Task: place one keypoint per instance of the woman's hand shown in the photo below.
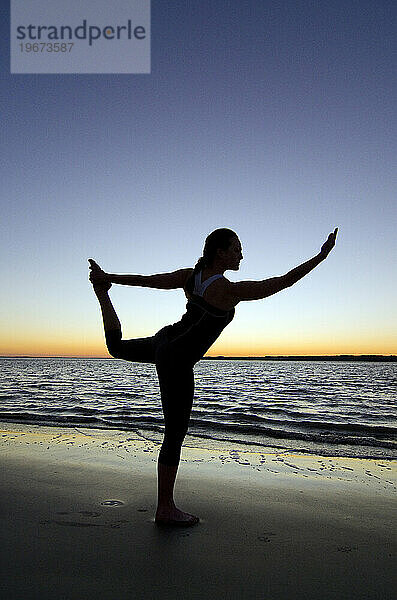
(329, 244)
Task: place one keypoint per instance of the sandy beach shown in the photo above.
(77, 521)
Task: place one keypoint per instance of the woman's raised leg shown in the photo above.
(101, 289)
(110, 319)
(135, 350)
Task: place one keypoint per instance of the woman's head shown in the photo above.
(222, 247)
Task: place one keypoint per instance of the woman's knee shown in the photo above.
(176, 428)
(170, 451)
(113, 342)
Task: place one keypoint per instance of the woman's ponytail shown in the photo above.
(200, 265)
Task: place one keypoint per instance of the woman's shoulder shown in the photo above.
(186, 274)
(219, 294)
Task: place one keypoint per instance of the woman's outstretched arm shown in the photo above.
(163, 281)
(256, 290)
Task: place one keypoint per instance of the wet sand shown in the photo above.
(77, 521)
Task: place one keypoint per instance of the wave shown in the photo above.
(323, 435)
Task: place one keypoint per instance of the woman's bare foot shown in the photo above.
(175, 517)
(98, 277)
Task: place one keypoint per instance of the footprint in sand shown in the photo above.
(85, 513)
(70, 523)
(264, 537)
(113, 525)
(346, 548)
(89, 513)
(118, 524)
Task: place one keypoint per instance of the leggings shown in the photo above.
(175, 373)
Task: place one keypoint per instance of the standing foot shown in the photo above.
(175, 517)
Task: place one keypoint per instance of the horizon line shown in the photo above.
(224, 357)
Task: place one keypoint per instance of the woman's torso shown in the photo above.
(202, 322)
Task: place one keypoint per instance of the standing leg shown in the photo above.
(165, 486)
(177, 388)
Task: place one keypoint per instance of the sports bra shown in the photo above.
(199, 288)
(200, 326)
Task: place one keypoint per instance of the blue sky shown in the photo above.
(276, 119)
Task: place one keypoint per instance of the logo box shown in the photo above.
(89, 36)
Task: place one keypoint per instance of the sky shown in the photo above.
(274, 118)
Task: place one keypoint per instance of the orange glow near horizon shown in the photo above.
(309, 347)
(85, 348)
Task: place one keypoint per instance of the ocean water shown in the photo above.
(327, 408)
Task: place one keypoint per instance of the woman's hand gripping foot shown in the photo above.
(98, 277)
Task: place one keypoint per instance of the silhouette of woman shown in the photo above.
(176, 348)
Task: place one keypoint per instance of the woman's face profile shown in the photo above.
(233, 255)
